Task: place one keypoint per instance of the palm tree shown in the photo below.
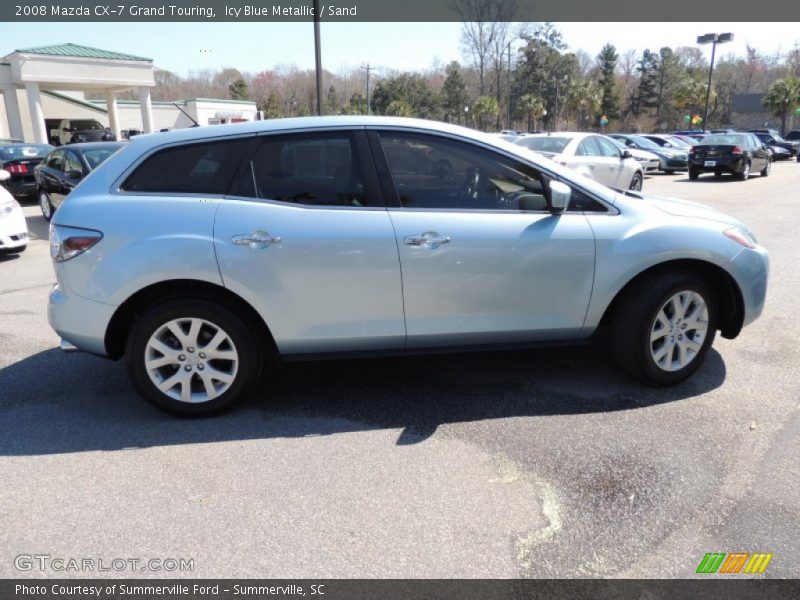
(691, 95)
(782, 98)
(534, 107)
(584, 99)
(485, 106)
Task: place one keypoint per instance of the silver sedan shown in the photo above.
(199, 254)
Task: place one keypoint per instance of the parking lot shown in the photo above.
(540, 463)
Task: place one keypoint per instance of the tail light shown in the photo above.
(738, 150)
(18, 169)
(69, 242)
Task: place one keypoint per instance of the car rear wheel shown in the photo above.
(636, 182)
(46, 205)
(744, 175)
(191, 357)
(693, 174)
(765, 171)
(663, 328)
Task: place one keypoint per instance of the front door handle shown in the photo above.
(256, 239)
(429, 239)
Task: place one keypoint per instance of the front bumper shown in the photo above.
(79, 321)
(673, 163)
(750, 270)
(13, 228)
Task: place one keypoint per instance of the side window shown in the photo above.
(587, 147)
(435, 172)
(199, 168)
(72, 163)
(606, 148)
(314, 169)
(582, 202)
(56, 160)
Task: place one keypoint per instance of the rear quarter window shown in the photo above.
(197, 168)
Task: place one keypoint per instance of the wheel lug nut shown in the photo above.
(202, 355)
(188, 367)
(182, 357)
(190, 349)
(200, 367)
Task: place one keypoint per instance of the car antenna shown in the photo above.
(196, 124)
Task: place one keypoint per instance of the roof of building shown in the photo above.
(80, 52)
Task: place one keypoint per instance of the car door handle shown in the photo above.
(256, 239)
(429, 239)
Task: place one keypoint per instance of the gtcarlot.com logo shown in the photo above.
(59, 564)
(734, 563)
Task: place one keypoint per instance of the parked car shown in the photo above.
(670, 159)
(6, 141)
(674, 142)
(75, 131)
(20, 160)
(778, 153)
(594, 156)
(198, 253)
(737, 153)
(64, 168)
(689, 141)
(648, 161)
(13, 228)
(793, 136)
(774, 139)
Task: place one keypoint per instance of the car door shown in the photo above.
(306, 239)
(614, 163)
(588, 160)
(72, 176)
(483, 260)
(51, 174)
(760, 153)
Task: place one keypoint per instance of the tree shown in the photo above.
(609, 100)
(272, 107)
(691, 95)
(399, 108)
(533, 107)
(454, 92)
(411, 88)
(583, 99)
(485, 106)
(238, 90)
(669, 75)
(332, 101)
(782, 98)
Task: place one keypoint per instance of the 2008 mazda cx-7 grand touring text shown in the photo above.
(199, 254)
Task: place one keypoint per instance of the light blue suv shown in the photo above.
(199, 254)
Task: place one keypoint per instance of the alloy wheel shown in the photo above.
(679, 330)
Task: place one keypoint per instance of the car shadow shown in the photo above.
(55, 402)
(7, 256)
(38, 227)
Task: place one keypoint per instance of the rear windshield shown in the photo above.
(548, 143)
(723, 140)
(26, 151)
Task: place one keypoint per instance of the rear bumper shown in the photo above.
(80, 322)
(21, 188)
(719, 164)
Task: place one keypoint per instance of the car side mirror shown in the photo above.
(560, 194)
(626, 154)
(4, 175)
(74, 174)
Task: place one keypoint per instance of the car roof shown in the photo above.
(93, 145)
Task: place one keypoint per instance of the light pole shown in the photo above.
(466, 116)
(713, 39)
(318, 57)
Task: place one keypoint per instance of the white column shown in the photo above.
(147, 109)
(12, 112)
(113, 115)
(37, 114)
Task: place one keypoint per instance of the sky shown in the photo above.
(253, 47)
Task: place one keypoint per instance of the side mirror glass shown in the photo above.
(4, 175)
(560, 194)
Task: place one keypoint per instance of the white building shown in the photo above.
(41, 86)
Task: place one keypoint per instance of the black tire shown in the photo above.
(245, 346)
(744, 175)
(717, 173)
(46, 205)
(636, 182)
(693, 174)
(633, 320)
(669, 171)
(765, 171)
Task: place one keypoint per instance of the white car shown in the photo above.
(594, 156)
(13, 228)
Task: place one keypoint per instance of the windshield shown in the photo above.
(723, 140)
(84, 124)
(95, 156)
(643, 142)
(545, 143)
(25, 151)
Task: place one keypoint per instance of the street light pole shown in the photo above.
(713, 39)
(318, 57)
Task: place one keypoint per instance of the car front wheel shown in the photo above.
(191, 357)
(663, 328)
(636, 182)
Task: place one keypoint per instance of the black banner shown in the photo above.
(421, 589)
(389, 10)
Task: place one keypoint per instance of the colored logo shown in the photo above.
(735, 562)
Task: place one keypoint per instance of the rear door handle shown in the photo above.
(429, 239)
(256, 239)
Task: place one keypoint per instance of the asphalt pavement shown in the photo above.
(539, 463)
